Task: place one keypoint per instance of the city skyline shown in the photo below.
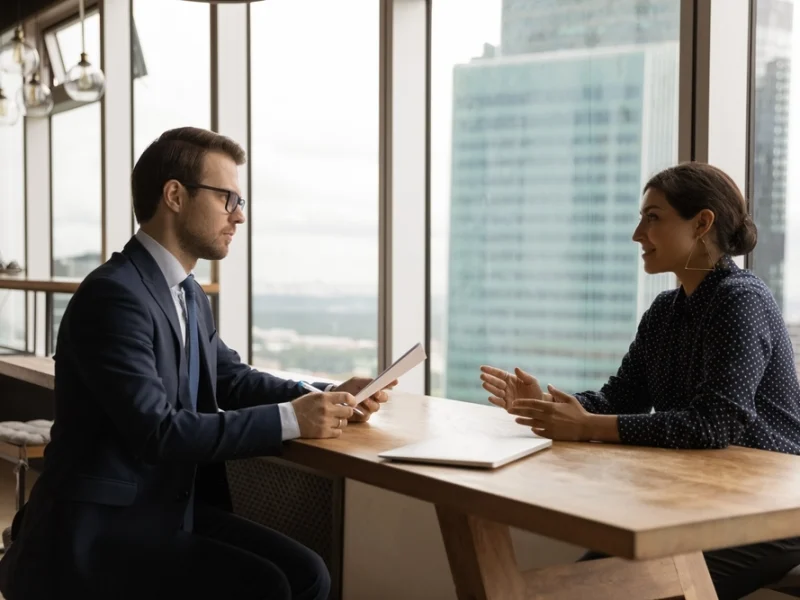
(478, 15)
(295, 134)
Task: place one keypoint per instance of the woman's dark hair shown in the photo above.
(691, 187)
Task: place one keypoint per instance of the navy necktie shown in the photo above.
(194, 373)
(191, 338)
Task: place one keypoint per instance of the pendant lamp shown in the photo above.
(85, 82)
(17, 56)
(35, 98)
(8, 110)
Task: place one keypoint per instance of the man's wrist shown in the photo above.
(290, 428)
(601, 428)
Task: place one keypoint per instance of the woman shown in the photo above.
(711, 364)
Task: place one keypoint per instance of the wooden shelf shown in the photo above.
(63, 285)
(37, 370)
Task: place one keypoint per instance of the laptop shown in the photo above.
(479, 451)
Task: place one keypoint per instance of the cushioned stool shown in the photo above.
(20, 442)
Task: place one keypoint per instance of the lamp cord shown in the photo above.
(83, 29)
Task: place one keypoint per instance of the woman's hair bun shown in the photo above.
(744, 238)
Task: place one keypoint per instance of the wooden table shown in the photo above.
(656, 509)
(660, 508)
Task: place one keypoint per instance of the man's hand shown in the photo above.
(369, 406)
(558, 416)
(506, 387)
(323, 414)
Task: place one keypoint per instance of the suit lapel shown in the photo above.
(156, 284)
(154, 280)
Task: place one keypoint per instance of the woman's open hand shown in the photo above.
(506, 387)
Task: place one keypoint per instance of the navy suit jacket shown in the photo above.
(126, 446)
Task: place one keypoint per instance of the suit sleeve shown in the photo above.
(110, 345)
(240, 386)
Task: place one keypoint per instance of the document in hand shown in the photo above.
(401, 366)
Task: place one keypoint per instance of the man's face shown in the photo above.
(205, 227)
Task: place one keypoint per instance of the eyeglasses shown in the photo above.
(232, 199)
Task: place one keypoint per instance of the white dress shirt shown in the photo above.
(174, 273)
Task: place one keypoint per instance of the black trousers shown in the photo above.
(737, 572)
(225, 556)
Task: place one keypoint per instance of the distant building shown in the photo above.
(772, 79)
(550, 152)
(554, 135)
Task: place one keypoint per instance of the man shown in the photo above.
(133, 501)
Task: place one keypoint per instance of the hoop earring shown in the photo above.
(708, 256)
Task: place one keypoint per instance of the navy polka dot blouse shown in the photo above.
(708, 370)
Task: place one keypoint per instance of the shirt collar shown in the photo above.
(170, 266)
(695, 303)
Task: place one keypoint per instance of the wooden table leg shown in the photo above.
(694, 577)
(481, 557)
(484, 567)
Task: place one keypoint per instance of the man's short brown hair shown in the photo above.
(176, 154)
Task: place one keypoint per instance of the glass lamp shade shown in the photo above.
(18, 57)
(35, 98)
(85, 82)
(8, 110)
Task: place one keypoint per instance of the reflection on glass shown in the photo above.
(777, 136)
(315, 184)
(175, 88)
(76, 185)
(12, 219)
(547, 120)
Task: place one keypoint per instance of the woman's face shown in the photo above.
(666, 238)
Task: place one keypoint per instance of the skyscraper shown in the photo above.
(772, 69)
(542, 25)
(554, 134)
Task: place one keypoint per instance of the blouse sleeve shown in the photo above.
(625, 392)
(736, 350)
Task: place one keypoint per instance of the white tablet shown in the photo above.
(486, 452)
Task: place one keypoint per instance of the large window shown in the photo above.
(547, 119)
(172, 73)
(315, 101)
(12, 220)
(76, 196)
(76, 190)
(776, 139)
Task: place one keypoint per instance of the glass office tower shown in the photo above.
(554, 134)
